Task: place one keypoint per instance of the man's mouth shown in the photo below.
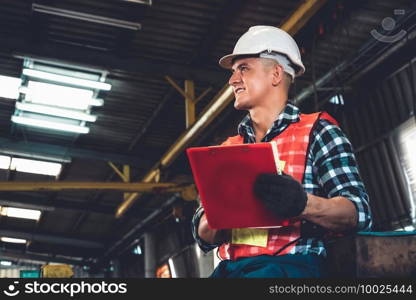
(239, 90)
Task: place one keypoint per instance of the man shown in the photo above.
(320, 190)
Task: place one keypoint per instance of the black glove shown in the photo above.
(281, 194)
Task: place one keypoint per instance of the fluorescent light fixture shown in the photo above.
(9, 87)
(6, 263)
(66, 79)
(146, 2)
(12, 240)
(54, 111)
(32, 154)
(23, 213)
(40, 207)
(50, 125)
(172, 268)
(85, 17)
(4, 162)
(58, 95)
(35, 166)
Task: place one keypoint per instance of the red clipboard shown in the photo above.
(224, 177)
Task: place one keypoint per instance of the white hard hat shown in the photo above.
(269, 39)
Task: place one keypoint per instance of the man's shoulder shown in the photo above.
(326, 132)
(317, 117)
(324, 124)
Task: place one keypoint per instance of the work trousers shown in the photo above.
(267, 266)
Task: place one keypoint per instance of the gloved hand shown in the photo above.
(281, 194)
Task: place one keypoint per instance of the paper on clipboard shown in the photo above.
(276, 157)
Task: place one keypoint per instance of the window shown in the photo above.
(338, 99)
(406, 143)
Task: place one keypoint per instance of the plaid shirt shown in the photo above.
(331, 170)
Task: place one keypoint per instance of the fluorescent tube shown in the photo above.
(9, 87)
(50, 125)
(23, 213)
(54, 111)
(4, 162)
(56, 95)
(12, 240)
(66, 79)
(35, 166)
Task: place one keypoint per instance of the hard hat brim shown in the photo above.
(227, 61)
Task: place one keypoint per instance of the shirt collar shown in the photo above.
(289, 115)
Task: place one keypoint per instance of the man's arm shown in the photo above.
(212, 236)
(335, 167)
(335, 214)
(333, 173)
(207, 238)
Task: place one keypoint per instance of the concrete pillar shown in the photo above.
(149, 255)
(205, 262)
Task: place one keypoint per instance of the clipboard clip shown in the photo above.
(276, 157)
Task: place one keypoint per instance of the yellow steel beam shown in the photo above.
(178, 88)
(119, 173)
(190, 102)
(218, 103)
(301, 15)
(62, 185)
(126, 173)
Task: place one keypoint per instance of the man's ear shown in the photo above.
(277, 74)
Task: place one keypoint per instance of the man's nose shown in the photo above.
(234, 78)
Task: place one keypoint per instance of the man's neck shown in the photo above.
(263, 117)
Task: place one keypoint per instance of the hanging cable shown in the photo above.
(285, 246)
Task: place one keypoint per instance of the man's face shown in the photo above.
(251, 81)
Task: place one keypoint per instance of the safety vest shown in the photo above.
(293, 145)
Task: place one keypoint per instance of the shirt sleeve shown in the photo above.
(206, 247)
(337, 172)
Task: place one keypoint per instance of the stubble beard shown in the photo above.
(240, 105)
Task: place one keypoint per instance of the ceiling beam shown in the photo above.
(102, 60)
(56, 152)
(81, 185)
(49, 238)
(30, 202)
(216, 106)
(301, 16)
(31, 256)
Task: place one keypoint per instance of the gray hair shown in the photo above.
(281, 60)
